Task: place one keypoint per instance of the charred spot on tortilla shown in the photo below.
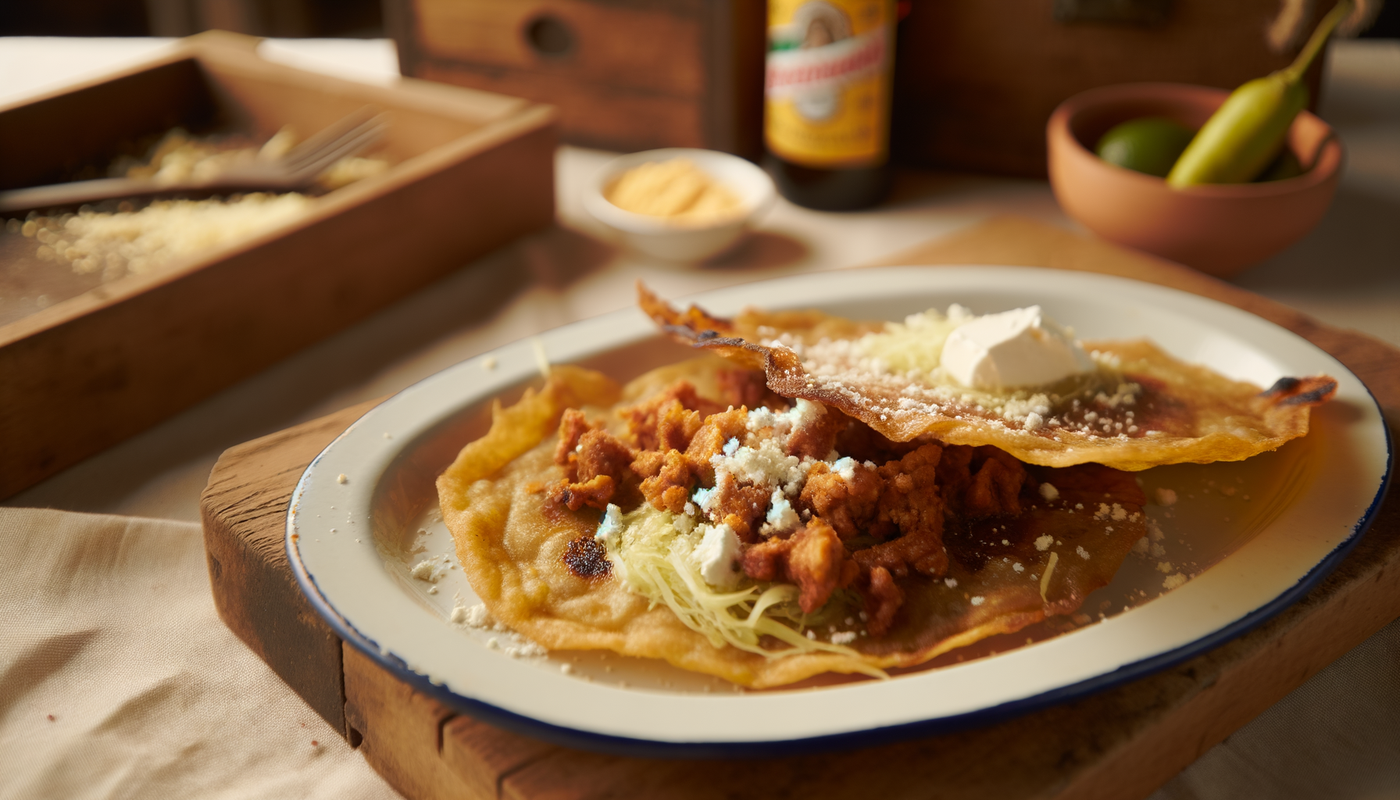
(1301, 391)
(587, 558)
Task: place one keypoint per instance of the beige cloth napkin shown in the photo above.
(118, 680)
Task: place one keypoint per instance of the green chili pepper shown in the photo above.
(1246, 134)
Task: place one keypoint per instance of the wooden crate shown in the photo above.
(471, 171)
(624, 74)
(1119, 743)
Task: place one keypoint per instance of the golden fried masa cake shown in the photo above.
(1138, 409)
(697, 517)
(823, 498)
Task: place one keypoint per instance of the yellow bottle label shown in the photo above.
(827, 93)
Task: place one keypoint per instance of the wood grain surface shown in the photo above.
(625, 76)
(1120, 743)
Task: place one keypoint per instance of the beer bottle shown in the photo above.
(826, 118)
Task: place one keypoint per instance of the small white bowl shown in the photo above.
(673, 241)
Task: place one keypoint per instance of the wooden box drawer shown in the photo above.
(623, 74)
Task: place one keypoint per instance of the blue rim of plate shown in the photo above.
(869, 737)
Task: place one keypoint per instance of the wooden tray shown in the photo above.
(471, 171)
(1123, 742)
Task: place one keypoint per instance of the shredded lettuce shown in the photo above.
(653, 558)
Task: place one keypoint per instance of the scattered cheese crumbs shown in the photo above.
(951, 583)
(843, 637)
(978, 600)
(1173, 581)
(488, 363)
(1084, 554)
(1049, 492)
(1042, 543)
(1017, 567)
(1166, 497)
(1164, 566)
(477, 616)
(1140, 547)
(341, 478)
(430, 569)
(1119, 513)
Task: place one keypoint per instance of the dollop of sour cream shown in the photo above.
(1012, 349)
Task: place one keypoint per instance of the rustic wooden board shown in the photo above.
(1120, 743)
(85, 373)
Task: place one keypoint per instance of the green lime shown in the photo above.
(1146, 144)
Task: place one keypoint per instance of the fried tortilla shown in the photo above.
(907, 573)
(1142, 408)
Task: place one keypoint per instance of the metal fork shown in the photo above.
(296, 170)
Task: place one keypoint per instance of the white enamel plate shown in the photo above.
(1239, 542)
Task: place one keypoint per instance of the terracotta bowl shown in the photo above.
(1219, 229)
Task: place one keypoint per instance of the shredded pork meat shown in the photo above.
(863, 523)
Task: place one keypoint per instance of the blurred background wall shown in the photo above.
(359, 19)
(280, 18)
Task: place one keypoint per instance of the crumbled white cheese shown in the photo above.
(1079, 549)
(1021, 347)
(1166, 497)
(977, 600)
(781, 517)
(717, 555)
(610, 528)
(843, 637)
(515, 646)
(952, 583)
(430, 569)
(1173, 581)
(1155, 531)
(1042, 543)
(763, 465)
(845, 467)
(1049, 492)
